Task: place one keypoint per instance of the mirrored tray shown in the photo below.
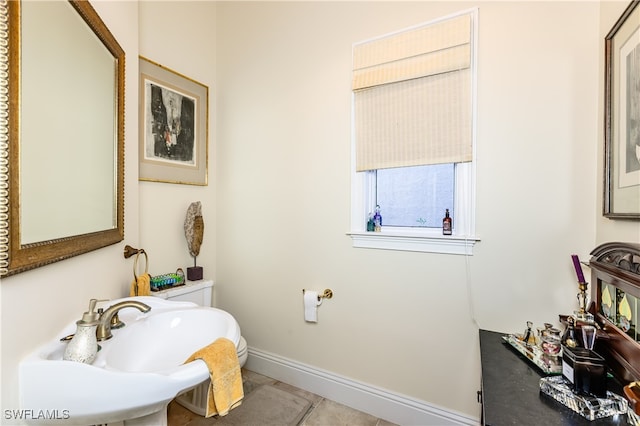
(591, 408)
(549, 364)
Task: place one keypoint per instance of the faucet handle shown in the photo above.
(116, 323)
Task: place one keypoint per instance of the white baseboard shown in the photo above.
(378, 402)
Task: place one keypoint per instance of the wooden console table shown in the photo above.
(511, 393)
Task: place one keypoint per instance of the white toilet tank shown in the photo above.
(199, 292)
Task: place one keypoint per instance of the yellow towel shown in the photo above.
(225, 391)
(141, 287)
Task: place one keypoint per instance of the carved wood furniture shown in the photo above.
(615, 295)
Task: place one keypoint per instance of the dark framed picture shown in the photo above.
(174, 131)
(622, 117)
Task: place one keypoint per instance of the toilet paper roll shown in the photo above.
(311, 304)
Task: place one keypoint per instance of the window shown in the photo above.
(413, 143)
(415, 196)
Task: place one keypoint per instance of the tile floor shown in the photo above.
(322, 412)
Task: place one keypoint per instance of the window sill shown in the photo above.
(414, 241)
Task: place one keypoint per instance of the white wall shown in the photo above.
(399, 320)
(277, 206)
(537, 140)
(182, 37)
(607, 229)
(37, 304)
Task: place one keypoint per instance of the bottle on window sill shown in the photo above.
(370, 224)
(447, 224)
(377, 220)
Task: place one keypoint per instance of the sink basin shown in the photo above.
(135, 374)
(160, 342)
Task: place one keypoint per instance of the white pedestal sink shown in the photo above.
(135, 374)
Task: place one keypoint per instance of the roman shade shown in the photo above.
(412, 96)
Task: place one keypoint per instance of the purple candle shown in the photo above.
(576, 264)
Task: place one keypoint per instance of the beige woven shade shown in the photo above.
(412, 93)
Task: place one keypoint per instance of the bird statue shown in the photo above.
(194, 232)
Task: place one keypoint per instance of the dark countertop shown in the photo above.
(511, 392)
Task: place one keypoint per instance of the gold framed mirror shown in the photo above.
(61, 133)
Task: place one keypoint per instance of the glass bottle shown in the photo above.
(569, 337)
(370, 224)
(377, 220)
(446, 224)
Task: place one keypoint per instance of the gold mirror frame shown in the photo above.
(14, 256)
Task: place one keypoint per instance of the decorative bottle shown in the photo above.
(446, 224)
(569, 337)
(377, 220)
(83, 347)
(370, 224)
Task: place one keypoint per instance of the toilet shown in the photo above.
(199, 292)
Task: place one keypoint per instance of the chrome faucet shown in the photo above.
(103, 331)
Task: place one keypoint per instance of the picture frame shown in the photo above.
(622, 117)
(174, 126)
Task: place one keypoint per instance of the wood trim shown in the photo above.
(617, 264)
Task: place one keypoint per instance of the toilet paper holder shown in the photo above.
(327, 294)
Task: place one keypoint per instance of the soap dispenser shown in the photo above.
(83, 347)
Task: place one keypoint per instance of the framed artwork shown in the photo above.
(173, 114)
(622, 117)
